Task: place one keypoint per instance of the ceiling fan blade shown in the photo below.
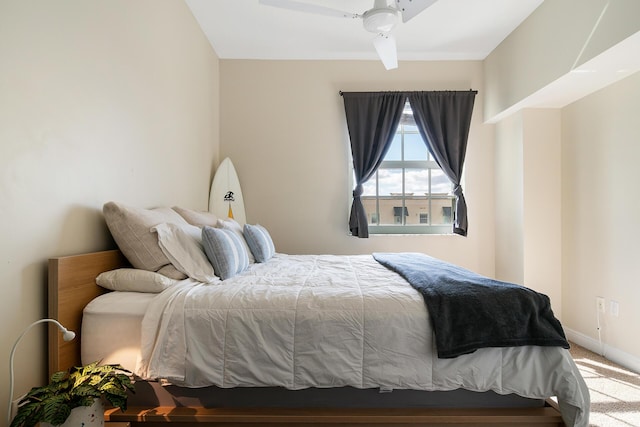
(410, 8)
(309, 8)
(385, 45)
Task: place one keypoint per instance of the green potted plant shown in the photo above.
(78, 387)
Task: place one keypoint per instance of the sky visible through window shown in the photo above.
(416, 180)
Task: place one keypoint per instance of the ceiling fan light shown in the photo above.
(380, 20)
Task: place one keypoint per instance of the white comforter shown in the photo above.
(302, 321)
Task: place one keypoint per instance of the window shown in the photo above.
(409, 194)
(446, 214)
(398, 214)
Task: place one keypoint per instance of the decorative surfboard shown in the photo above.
(225, 199)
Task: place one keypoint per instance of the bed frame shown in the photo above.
(72, 285)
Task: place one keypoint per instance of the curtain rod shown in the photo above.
(413, 91)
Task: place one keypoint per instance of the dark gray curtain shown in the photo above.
(372, 119)
(443, 119)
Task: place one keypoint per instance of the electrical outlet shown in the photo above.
(600, 305)
(614, 308)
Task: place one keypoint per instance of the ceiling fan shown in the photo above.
(381, 19)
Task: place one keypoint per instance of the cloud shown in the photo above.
(416, 182)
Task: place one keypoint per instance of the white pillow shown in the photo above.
(134, 280)
(182, 244)
(197, 218)
(231, 224)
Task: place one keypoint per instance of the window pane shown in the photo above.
(411, 128)
(390, 181)
(395, 150)
(442, 210)
(417, 190)
(418, 209)
(417, 182)
(440, 184)
(373, 218)
(414, 148)
(369, 187)
(390, 196)
(391, 210)
(446, 214)
(369, 204)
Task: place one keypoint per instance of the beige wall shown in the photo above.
(112, 100)
(282, 123)
(557, 37)
(600, 211)
(542, 204)
(509, 180)
(528, 202)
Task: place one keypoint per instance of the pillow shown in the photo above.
(259, 241)
(131, 229)
(231, 224)
(197, 218)
(182, 244)
(134, 280)
(171, 272)
(225, 251)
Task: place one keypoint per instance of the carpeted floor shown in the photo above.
(615, 391)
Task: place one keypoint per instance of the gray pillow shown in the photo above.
(131, 229)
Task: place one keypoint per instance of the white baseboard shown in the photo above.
(618, 356)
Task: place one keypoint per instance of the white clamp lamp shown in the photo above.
(67, 335)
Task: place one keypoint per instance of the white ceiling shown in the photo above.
(448, 30)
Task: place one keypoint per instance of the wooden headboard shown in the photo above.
(72, 285)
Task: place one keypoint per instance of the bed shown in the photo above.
(291, 366)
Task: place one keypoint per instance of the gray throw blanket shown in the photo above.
(469, 311)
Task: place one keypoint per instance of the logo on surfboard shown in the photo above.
(228, 197)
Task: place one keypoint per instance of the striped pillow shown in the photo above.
(231, 224)
(225, 251)
(259, 241)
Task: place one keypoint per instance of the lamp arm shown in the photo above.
(67, 335)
